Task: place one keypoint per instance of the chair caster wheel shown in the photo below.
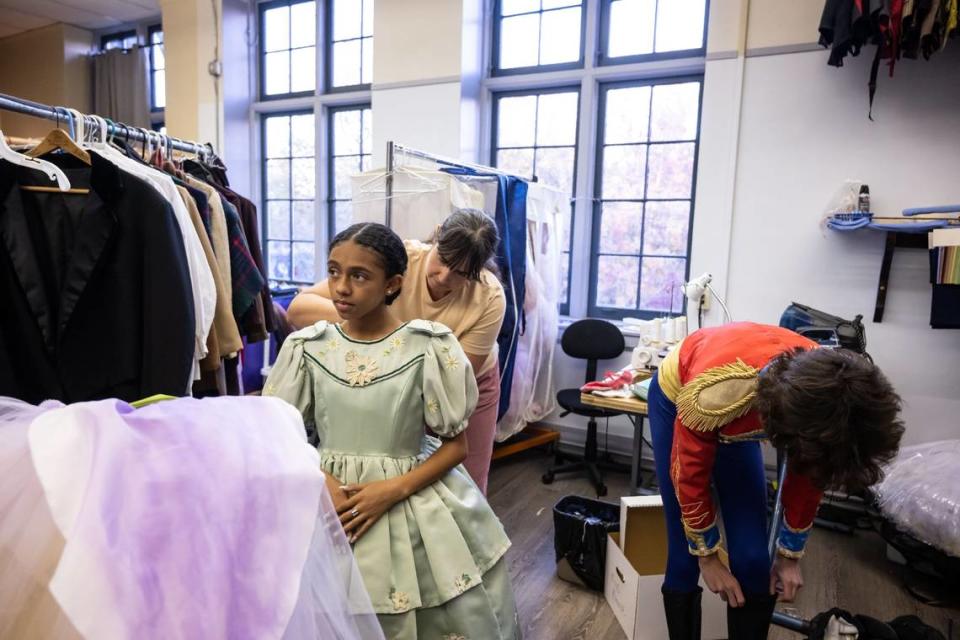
(601, 491)
(547, 478)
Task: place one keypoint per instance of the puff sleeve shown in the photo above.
(290, 378)
(449, 386)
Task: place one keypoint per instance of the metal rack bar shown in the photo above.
(37, 110)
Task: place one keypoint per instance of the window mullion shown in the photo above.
(583, 205)
(320, 206)
(590, 17)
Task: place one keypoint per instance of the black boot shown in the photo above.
(752, 620)
(683, 613)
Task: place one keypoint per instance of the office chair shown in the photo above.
(589, 340)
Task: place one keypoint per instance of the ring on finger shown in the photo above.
(354, 513)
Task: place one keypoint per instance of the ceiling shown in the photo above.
(23, 15)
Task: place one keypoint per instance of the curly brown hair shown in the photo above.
(834, 412)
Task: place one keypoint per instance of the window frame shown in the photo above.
(495, 97)
(263, 96)
(496, 71)
(319, 102)
(118, 35)
(591, 79)
(616, 313)
(331, 200)
(328, 51)
(265, 239)
(604, 40)
(157, 28)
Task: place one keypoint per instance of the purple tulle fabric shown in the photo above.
(187, 519)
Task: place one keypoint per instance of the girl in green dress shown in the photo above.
(429, 548)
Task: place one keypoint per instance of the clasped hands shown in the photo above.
(361, 505)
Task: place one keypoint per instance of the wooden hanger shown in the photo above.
(58, 139)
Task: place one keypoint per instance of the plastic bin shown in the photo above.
(580, 528)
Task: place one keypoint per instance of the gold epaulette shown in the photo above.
(717, 396)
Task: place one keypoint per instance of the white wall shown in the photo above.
(766, 171)
(425, 116)
(805, 129)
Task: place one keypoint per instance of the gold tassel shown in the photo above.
(691, 410)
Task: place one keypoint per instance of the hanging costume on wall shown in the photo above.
(898, 28)
(148, 523)
(434, 564)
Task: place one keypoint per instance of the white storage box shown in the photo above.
(636, 558)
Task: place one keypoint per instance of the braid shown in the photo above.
(382, 241)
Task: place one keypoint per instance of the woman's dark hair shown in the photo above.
(467, 242)
(382, 241)
(835, 414)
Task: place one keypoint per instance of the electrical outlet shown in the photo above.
(706, 300)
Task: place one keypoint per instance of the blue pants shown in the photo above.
(740, 482)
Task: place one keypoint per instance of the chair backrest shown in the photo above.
(592, 340)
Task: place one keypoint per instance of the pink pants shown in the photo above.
(483, 427)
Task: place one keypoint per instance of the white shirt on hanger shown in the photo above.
(201, 278)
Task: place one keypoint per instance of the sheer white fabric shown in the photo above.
(533, 393)
(421, 199)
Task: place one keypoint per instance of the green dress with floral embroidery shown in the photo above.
(434, 564)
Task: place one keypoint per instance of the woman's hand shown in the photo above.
(720, 581)
(785, 578)
(366, 504)
(337, 494)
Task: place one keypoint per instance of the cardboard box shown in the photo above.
(636, 558)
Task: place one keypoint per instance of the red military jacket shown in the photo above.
(712, 378)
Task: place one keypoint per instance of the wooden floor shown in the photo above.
(849, 572)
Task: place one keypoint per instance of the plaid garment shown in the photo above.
(246, 279)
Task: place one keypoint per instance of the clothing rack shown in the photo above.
(118, 129)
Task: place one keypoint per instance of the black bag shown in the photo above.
(850, 333)
(580, 528)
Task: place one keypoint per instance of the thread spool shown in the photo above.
(669, 331)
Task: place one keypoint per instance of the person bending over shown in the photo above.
(714, 398)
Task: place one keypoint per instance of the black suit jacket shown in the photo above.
(95, 294)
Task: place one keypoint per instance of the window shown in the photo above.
(121, 40)
(158, 85)
(635, 29)
(306, 191)
(537, 136)
(350, 49)
(538, 33)
(288, 52)
(350, 145)
(289, 180)
(631, 86)
(646, 158)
